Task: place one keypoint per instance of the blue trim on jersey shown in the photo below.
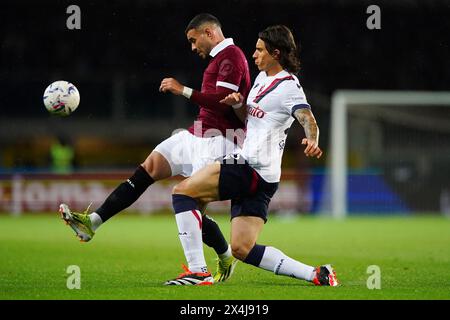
(300, 106)
(270, 89)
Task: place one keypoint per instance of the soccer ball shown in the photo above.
(61, 98)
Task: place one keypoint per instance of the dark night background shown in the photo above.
(144, 41)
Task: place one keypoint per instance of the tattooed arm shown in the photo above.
(306, 118)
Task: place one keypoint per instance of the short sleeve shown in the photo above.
(230, 72)
(295, 98)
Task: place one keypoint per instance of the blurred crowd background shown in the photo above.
(125, 48)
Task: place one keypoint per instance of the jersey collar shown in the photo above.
(281, 74)
(220, 46)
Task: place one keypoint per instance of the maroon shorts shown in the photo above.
(250, 194)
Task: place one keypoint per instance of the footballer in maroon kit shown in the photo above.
(227, 72)
(187, 151)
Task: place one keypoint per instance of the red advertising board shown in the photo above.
(27, 193)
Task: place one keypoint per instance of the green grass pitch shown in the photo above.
(131, 256)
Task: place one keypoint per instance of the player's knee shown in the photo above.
(155, 168)
(240, 250)
(188, 188)
(179, 189)
(149, 166)
(185, 187)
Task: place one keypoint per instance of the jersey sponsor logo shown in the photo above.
(256, 112)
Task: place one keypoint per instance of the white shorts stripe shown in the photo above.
(227, 85)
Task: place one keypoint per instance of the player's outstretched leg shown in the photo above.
(272, 259)
(154, 168)
(123, 196)
(244, 233)
(126, 193)
(79, 222)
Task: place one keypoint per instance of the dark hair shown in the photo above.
(280, 37)
(200, 19)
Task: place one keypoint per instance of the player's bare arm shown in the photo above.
(306, 118)
(171, 85)
(236, 100)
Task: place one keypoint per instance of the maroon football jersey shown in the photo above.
(227, 72)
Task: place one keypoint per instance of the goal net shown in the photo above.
(389, 153)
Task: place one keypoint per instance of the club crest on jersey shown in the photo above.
(255, 111)
(261, 89)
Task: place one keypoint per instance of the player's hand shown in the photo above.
(171, 85)
(232, 99)
(312, 149)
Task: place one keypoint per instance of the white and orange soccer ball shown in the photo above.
(61, 98)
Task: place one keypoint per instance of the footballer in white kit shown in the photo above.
(251, 178)
(271, 104)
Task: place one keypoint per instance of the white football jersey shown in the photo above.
(271, 103)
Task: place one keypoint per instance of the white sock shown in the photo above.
(190, 234)
(226, 254)
(276, 261)
(96, 220)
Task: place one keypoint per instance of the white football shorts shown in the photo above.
(187, 153)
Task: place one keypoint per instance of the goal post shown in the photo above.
(342, 102)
